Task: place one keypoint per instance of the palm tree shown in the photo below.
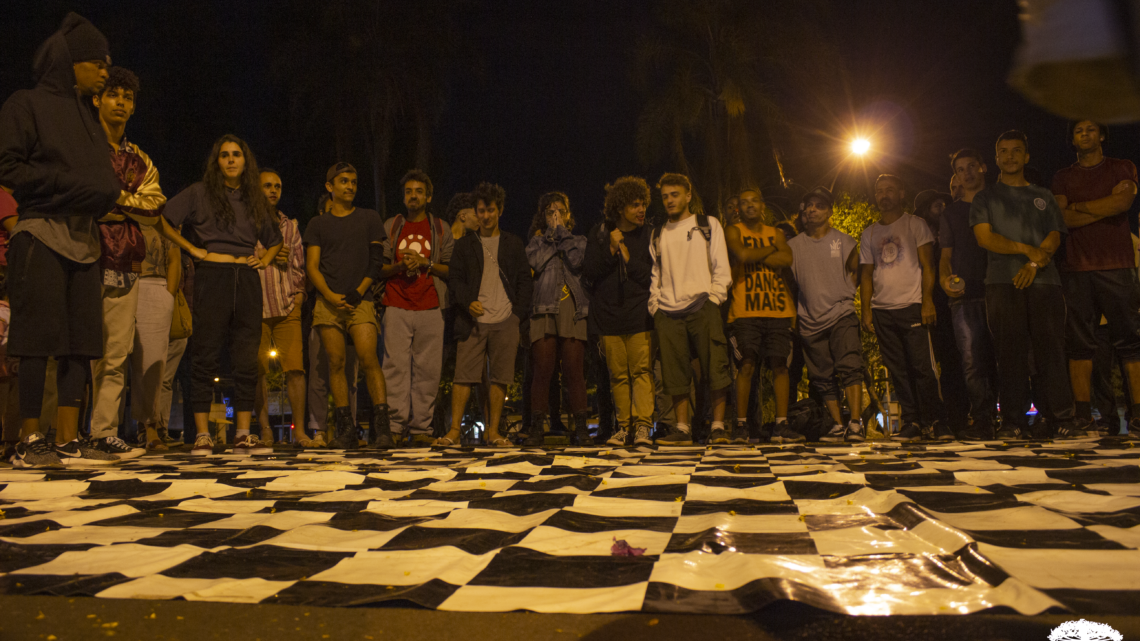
(366, 74)
(705, 103)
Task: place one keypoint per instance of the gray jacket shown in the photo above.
(556, 257)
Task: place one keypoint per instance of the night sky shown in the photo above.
(540, 95)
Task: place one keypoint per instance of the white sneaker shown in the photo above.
(836, 434)
(203, 445)
(118, 447)
(642, 435)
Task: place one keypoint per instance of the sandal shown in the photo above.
(443, 441)
(501, 443)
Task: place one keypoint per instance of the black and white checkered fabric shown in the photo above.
(862, 529)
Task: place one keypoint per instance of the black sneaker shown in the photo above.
(1107, 427)
(855, 433)
(740, 434)
(1009, 432)
(117, 446)
(77, 452)
(1074, 429)
(834, 435)
(1042, 430)
(34, 451)
(940, 431)
(676, 437)
(718, 437)
(909, 432)
(981, 429)
(782, 433)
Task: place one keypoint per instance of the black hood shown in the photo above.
(53, 151)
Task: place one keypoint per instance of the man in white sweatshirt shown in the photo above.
(691, 277)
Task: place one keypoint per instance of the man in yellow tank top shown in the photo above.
(762, 310)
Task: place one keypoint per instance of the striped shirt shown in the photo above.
(280, 285)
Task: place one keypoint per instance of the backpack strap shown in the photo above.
(706, 231)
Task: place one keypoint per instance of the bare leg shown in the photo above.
(854, 402)
(780, 388)
(364, 338)
(261, 402)
(333, 341)
(66, 424)
(1080, 377)
(681, 409)
(202, 422)
(833, 409)
(298, 393)
(744, 388)
(459, 395)
(719, 399)
(498, 395)
(28, 426)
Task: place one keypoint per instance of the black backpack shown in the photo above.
(810, 418)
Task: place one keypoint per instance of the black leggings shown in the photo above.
(70, 381)
(545, 354)
(227, 307)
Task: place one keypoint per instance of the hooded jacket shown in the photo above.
(53, 152)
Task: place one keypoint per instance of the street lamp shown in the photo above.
(860, 146)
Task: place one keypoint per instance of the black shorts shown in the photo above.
(761, 339)
(57, 303)
(1111, 293)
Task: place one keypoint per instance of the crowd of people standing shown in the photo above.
(1007, 291)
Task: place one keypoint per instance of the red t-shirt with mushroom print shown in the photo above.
(412, 291)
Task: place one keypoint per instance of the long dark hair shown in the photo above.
(545, 201)
(215, 181)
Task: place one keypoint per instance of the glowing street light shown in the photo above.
(860, 146)
(272, 353)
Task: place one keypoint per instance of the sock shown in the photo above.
(717, 425)
(743, 422)
(683, 427)
(1083, 409)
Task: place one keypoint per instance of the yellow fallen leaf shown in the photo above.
(653, 622)
(40, 616)
(720, 586)
(113, 624)
(732, 512)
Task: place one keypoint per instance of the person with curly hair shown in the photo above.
(558, 315)
(618, 265)
(461, 214)
(228, 213)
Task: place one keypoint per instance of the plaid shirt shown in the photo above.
(280, 285)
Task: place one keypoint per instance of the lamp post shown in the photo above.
(859, 147)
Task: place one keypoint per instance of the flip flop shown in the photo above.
(501, 442)
(443, 441)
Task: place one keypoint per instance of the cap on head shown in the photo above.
(926, 198)
(85, 42)
(337, 169)
(819, 192)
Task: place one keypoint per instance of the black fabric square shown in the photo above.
(352, 521)
(162, 518)
(644, 492)
(1069, 539)
(572, 521)
(267, 562)
(470, 540)
(522, 567)
(740, 506)
(330, 594)
(123, 489)
(212, 538)
(817, 490)
(59, 585)
(715, 541)
(524, 504)
(952, 502)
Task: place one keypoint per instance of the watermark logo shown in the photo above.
(1085, 631)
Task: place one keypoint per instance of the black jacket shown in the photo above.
(466, 274)
(618, 306)
(53, 152)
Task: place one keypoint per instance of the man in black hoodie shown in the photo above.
(54, 159)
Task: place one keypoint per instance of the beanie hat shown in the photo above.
(84, 41)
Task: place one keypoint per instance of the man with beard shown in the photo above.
(1020, 225)
(415, 297)
(896, 288)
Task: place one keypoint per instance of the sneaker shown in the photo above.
(855, 432)
(909, 432)
(35, 451)
(77, 452)
(619, 439)
(718, 437)
(981, 429)
(641, 435)
(203, 445)
(248, 444)
(115, 445)
(1009, 432)
(834, 435)
(157, 446)
(1075, 429)
(1042, 430)
(740, 434)
(1132, 430)
(873, 434)
(1108, 428)
(676, 437)
(172, 443)
(783, 433)
(941, 431)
